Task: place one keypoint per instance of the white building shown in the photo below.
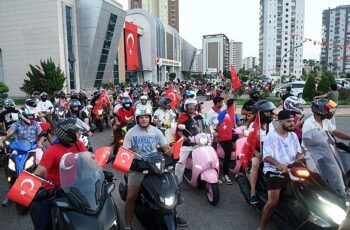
(250, 62)
(336, 39)
(215, 53)
(280, 38)
(236, 54)
(77, 34)
(197, 65)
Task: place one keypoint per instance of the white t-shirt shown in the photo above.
(262, 131)
(311, 123)
(43, 106)
(211, 117)
(282, 149)
(164, 116)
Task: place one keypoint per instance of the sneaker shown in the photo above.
(180, 222)
(219, 181)
(226, 179)
(6, 202)
(254, 200)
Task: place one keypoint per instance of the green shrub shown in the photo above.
(309, 89)
(3, 90)
(325, 83)
(344, 94)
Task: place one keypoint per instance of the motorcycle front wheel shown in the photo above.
(213, 194)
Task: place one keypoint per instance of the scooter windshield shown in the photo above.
(81, 180)
(322, 159)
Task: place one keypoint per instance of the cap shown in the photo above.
(285, 114)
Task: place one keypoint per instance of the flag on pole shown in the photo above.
(123, 159)
(102, 154)
(236, 83)
(25, 188)
(176, 148)
(170, 93)
(103, 100)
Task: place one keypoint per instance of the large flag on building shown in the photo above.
(131, 46)
(252, 141)
(236, 83)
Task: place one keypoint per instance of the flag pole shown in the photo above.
(43, 180)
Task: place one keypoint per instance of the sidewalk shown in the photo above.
(342, 110)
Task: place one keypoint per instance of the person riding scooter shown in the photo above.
(143, 138)
(295, 105)
(9, 115)
(247, 108)
(195, 124)
(75, 110)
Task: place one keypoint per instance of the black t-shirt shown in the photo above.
(9, 117)
(248, 106)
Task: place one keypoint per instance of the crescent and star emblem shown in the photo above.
(172, 96)
(27, 181)
(63, 161)
(130, 47)
(127, 156)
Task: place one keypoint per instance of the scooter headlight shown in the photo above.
(60, 113)
(11, 165)
(203, 140)
(29, 163)
(168, 201)
(336, 213)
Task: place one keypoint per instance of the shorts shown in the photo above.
(276, 180)
(135, 178)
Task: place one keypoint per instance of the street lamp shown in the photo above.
(284, 56)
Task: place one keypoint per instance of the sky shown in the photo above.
(239, 21)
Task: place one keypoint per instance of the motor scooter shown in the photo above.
(21, 157)
(313, 199)
(202, 166)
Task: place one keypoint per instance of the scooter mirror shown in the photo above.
(181, 127)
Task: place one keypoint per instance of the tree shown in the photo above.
(326, 80)
(172, 77)
(3, 90)
(47, 77)
(309, 88)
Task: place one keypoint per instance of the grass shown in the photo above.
(19, 101)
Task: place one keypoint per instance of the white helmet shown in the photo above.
(141, 111)
(190, 101)
(294, 104)
(144, 97)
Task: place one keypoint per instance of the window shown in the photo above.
(105, 50)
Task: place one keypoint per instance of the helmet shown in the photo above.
(31, 102)
(97, 93)
(126, 103)
(191, 94)
(9, 103)
(36, 94)
(26, 115)
(264, 106)
(66, 131)
(115, 96)
(144, 97)
(324, 107)
(82, 93)
(141, 111)
(74, 95)
(61, 94)
(189, 101)
(73, 104)
(164, 102)
(253, 91)
(294, 104)
(43, 94)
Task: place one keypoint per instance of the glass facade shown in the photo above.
(116, 70)
(2, 77)
(69, 37)
(105, 51)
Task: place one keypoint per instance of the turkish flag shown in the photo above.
(170, 93)
(236, 83)
(252, 141)
(231, 113)
(176, 148)
(123, 159)
(103, 100)
(131, 46)
(25, 188)
(102, 154)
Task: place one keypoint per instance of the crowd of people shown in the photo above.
(149, 121)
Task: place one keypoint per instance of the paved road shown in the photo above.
(231, 213)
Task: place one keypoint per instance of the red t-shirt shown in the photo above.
(51, 161)
(125, 115)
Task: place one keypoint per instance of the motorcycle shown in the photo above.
(21, 157)
(59, 113)
(159, 194)
(101, 118)
(313, 199)
(202, 167)
(86, 201)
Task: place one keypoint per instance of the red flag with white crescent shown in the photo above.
(103, 100)
(131, 46)
(123, 159)
(236, 83)
(170, 93)
(102, 154)
(25, 188)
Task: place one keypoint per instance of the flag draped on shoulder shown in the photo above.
(252, 141)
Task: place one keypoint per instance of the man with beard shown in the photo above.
(281, 147)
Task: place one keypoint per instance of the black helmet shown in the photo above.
(97, 93)
(324, 107)
(254, 91)
(36, 94)
(61, 94)
(9, 103)
(126, 102)
(74, 95)
(164, 102)
(73, 104)
(264, 106)
(66, 131)
(31, 102)
(82, 94)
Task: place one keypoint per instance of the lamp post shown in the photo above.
(284, 56)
